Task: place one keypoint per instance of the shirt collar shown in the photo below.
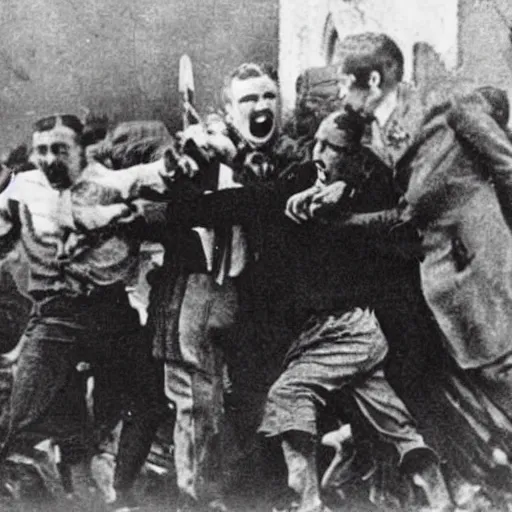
(386, 108)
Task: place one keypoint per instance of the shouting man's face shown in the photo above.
(58, 154)
(253, 109)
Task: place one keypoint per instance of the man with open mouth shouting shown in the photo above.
(252, 105)
(233, 149)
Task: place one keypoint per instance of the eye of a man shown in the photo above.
(42, 150)
(335, 147)
(249, 98)
(60, 149)
(270, 96)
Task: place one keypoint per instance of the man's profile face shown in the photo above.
(58, 154)
(253, 108)
(330, 158)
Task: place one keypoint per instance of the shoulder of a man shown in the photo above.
(26, 185)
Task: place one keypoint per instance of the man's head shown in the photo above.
(336, 141)
(57, 149)
(251, 98)
(373, 66)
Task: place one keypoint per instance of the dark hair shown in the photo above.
(367, 52)
(244, 72)
(95, 129)
(498, 101)
(138, 142)
(49, 122)
(353, 124)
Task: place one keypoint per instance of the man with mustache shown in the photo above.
(77, 282)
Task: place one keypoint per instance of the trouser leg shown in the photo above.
(194, 384)
(135, 380)
(44, 370)
(386, 413)
(198, 400)
(390, 418)
(300, 454)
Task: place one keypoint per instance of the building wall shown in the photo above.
(485, 42)
(303, 31)
(121, 57)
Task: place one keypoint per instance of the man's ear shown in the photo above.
(375, 80)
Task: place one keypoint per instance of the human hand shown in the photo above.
(211, 139)
(297, 206)
(177, 166)
(327, 198)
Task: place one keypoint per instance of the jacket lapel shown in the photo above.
(391, 141)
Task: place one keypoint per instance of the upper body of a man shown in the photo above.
(240, 147)
(311, 267)
(458, 178)
(40, 206)
(371, 87)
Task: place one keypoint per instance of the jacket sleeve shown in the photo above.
(104, 197)
(381, 222)
(474, 124)
(136, 181)
(388, 231)
(254, 203)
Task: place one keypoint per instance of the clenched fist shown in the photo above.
(211, 139)
(298, 205)
(327, 198)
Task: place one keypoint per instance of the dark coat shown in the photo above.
(459, 195)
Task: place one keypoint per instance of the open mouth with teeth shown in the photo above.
(261, 124)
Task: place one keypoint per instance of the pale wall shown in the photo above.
(486, 47)
(302, 26)
(121, 56)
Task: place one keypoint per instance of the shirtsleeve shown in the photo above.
(103, 197)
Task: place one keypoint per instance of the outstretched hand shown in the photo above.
(178, 166)
(210, 139)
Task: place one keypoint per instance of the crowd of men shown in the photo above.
(328, 291)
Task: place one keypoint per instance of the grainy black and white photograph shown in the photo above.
(255, 256)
